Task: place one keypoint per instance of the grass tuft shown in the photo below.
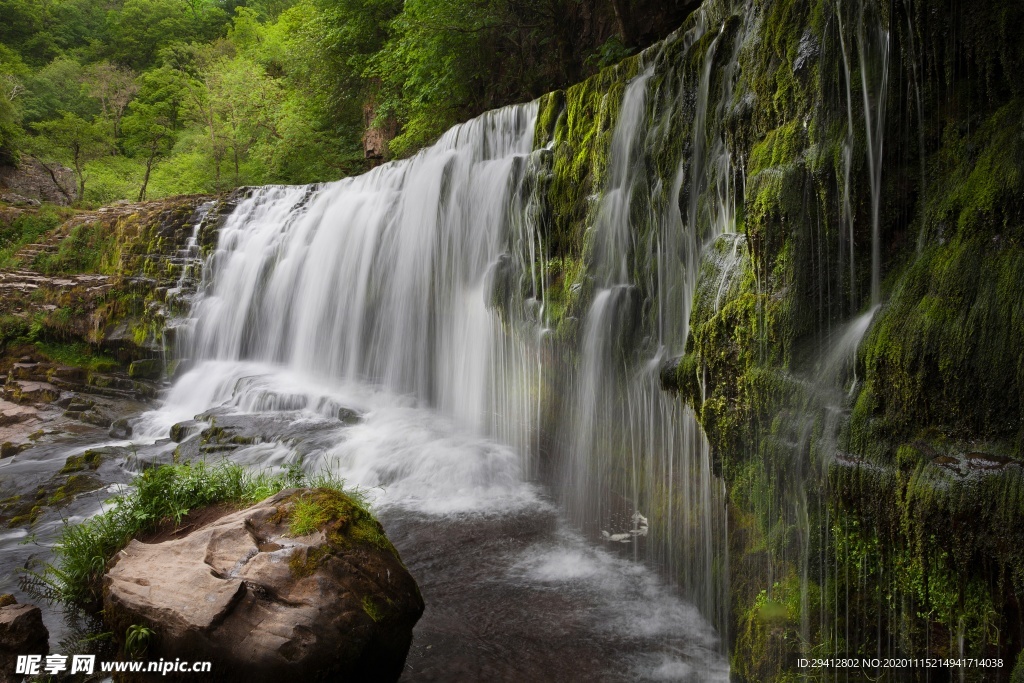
(75, 576)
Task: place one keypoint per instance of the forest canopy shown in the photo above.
(146, 98)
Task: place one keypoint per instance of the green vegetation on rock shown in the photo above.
(160, 495)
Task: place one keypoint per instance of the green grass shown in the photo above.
(13, 328)
(88, 248)
(29, 228)
(77, 354)
(74, 577)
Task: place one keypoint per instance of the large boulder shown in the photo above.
(22, 632)
(303, 586)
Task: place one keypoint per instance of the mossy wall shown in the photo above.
(878, 510)
(118, 316)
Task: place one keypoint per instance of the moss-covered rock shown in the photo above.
(895, 465)
(303, 584)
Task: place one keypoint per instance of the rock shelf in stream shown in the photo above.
(302, 586)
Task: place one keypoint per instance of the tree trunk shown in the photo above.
(80, 170)
(622, 18)
(145, 178)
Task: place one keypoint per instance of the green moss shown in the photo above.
(90, 459)
(305, 561)
(582, 137)
(551, 110)
(77, 354)
(344, 521)
(76, 484)
(945, 351)
(372, 609)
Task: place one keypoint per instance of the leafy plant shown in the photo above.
(136, 640)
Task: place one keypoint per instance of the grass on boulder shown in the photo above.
(74, 578)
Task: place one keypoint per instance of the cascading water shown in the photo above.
(633, 452)
(872, 45)
(410, 295)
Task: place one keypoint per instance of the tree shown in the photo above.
(114, 86)
(245, 104)
(56, 88)
(11, 88)
(153, 119)
(148, 131)
(141, 28)
(73, 141)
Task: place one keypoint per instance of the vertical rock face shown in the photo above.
(21, 633)
(267, 596)
(855, 359)
(34, 181)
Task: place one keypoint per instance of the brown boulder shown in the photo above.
(22, 632)
(303, 586)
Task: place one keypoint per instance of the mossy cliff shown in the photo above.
(92, 292)
(854, 346)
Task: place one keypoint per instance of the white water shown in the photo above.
(409, 295)
(373, 293)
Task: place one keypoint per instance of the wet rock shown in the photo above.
(21, 391)
(265, 599)
(89, 460)
(150, 368)
(68, 374)
(121, 429)
(79, 404)
(28, 371)
(349, 417)
(12, 413)
(97, 418)
(9, 449)
(22, 632)
(177, 368)
(183, 430)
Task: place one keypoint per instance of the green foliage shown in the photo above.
(72, 141)
(12, 329)
(28, 228)
(76, 354)
(161, 494)
(203, 95)
(314, 510)
(136, 640)
(54, 89)
(137, 32)
(88, 248)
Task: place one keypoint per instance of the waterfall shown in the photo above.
(872, 43)
(422, 281)
(632, 451)
(388, 278)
